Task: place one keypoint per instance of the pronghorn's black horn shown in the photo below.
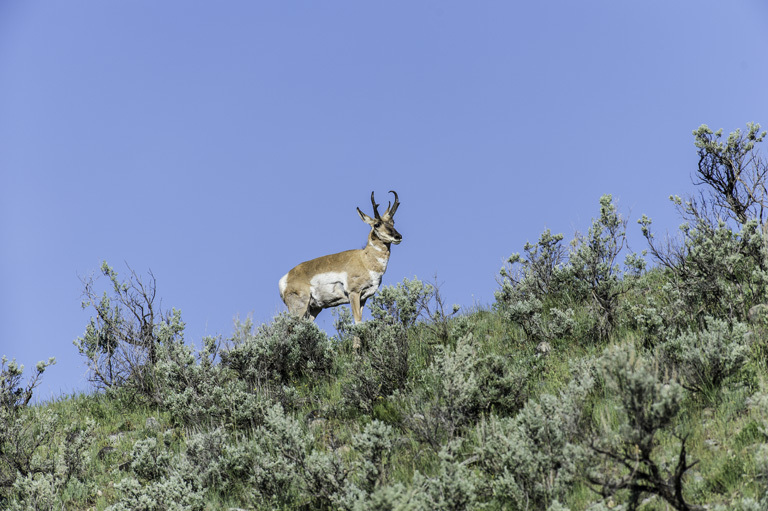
(391, 210)
(375, 207)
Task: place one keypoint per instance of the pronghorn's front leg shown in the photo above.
(357, 308)
(357, 313)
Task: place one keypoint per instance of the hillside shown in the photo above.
(598, 379)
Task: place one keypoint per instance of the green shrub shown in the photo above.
(172, 493)
(713, 271)
(456, 485)
(23, 429)
(460, 385)
(200, 392)
(280, 352)
(403, 303)
(533, 290)
(122, 340)
(35, 492)
(58, 471)
(533, 459)
(644, 405)
(379, 368)
(705, 359)
(279, 455)
(395, 496)
(164, 479)
(593, 263)
(374, 444)
(150, 461)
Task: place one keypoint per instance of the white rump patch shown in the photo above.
(283, 284)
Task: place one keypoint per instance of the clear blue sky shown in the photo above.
(221, 143)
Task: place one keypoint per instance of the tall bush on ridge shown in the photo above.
(713, 270)
(122, 340)
(717, 268)
(594, 264)
(734, 172)
(22, 429)
(534, 292)
(541, 290)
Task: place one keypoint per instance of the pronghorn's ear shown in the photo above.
(365, 218)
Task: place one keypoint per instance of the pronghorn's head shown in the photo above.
(383, 225)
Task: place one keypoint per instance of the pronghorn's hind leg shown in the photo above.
(298, 305)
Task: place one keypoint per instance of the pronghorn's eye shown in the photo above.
(377, 225)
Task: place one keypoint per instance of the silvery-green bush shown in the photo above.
(379, 367)
(758, 405)
(207, 452)
(163, 477)
(533, 291)
(460, 385)
(531, 460)
(395, 496)
(402, 303)
(594, 264)
(199, 392)
(35, 492)
(23, 429)
(456, 485)
(713, 270)
(149, 459)
(279, 352)
(705, 359)
(644, 404)
(58, 471)
(172, 493)
(645, 400)
(374, 444)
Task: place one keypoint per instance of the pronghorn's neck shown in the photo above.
(377, 250)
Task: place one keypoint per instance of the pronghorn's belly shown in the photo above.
(329, 289)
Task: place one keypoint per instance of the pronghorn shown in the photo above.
(350, 277)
